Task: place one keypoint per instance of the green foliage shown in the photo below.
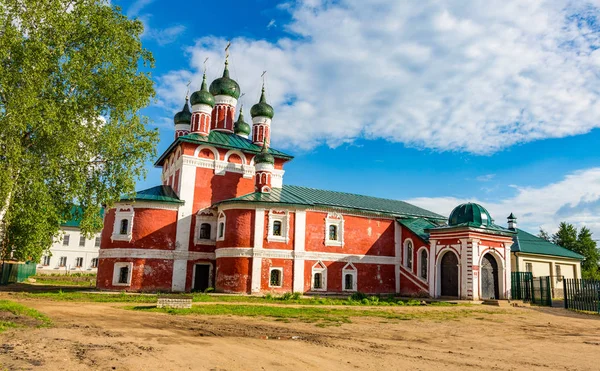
(582, 243)
(544, 235)
(70, 129)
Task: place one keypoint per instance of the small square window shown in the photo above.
(62, 262)
(46, 260)
(205, 231)
(277, 228)
(94, 263)
(122, 273)
(348, 281)
(82, 241)
(78, 262)
(333, 233)
(66, 239)
(124, 226)
(97, 242)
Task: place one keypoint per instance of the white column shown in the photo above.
(507, 271)
(475, 273)
(463, 270)
(397, 253)
(259, 235)
(299, 248)
(184, 223)
(432, 277)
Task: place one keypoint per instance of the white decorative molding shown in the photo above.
(319, 267)
(261, 120)
(204, 108)
(249, 252)
(117, 272)
(201, 147)
(282, 216)
(405, 254)
(123, 212)
(337, 220)
(235, 152)
(420, 263)
(351, 270)
(221, 226)
(225, 100)
(155, 205)
(155, 254)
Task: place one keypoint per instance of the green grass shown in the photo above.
(319, 316)
(75, 279)
(20, 310)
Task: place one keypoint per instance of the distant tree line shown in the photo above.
(580, 242)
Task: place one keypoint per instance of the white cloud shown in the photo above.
(461, 75)
(162, 36)
(271, 24)
(575, 199)
(485, 178)
(137, 6)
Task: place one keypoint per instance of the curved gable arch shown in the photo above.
(210, 148)
(235, 152)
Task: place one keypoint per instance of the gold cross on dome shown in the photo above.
(205, 60)
(227, 49)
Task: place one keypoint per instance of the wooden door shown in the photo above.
(449, 275)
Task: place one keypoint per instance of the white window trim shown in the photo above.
(405, 254)
(206, 216)
(419, 264)
(337, 220)
(319, 267)
(116, 268)
(222, 219)
(123, 212)
(280, 276)
(349, 269)
(284, 218)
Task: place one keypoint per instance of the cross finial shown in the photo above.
(227, 51)
(205, 60)
(187, 93)
(263, 79)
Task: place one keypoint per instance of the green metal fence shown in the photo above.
(531, 289)
(582, 294)
(11, 272)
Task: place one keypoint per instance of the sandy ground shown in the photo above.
(104, 336)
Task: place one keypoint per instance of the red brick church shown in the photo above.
(224, 218)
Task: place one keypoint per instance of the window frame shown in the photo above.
(406, 254)
(283, 217)
(82, 240)
(337, 220)
(558, 272)
(46, 259)
(117, 271)
(420, 263)
(97, 241)
(280, 270)
(94, 263)
(529, 267)
(66, 239)
(77, 262)
(125, 212)
(62, 261)
(206, 216)
(350, 269)
(221, 226)
(321, 268)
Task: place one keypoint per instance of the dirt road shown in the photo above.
(101, 336)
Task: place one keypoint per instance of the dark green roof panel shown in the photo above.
(223, 140)
(297, 195)
(160, 193)
(529, 244)
(471, 214)
(418, 226)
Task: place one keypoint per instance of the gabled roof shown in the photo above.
(296, 195)
(161, 193)
(529, 244)
(418, 226)
(222, 140)
(75, 217)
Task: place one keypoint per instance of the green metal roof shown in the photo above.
(223, 140)
(159, 193)
(418, 226)
(472, 214)
(529, 244)
(75, 216)
(492, 228)
(295, 195)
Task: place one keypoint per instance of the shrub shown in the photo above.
(358, 296)
(209, 289)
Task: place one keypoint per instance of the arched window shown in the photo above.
(124, 226)
(333, 233)
(205, 231)
(318, 281)
(348, 281)
(221, 230)
(423, 264)
(275, 277)
(409, 254)
(277, 228)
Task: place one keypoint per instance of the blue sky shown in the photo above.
(433, 103)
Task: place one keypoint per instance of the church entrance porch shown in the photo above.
(449, 275)
(489, 278)
(201, 280)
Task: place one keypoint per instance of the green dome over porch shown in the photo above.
(470, 214)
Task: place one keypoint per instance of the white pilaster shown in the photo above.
(464, 270)
(259, 232)
(474, 269)
(397, 253)
(299, 247)
(507, 271)
(184, 223)
(432, 267)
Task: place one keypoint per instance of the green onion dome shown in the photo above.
(203, 96)
(471, 214)
(262, 108)
(225, 86)
(264, 157)
(241, 127)
(184, 116)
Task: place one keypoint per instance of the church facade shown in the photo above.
(223, 218)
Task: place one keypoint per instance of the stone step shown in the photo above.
(497, 303)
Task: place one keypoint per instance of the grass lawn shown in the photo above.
(76, 279)
(17, 315)
(287, 298)
(319, 316)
